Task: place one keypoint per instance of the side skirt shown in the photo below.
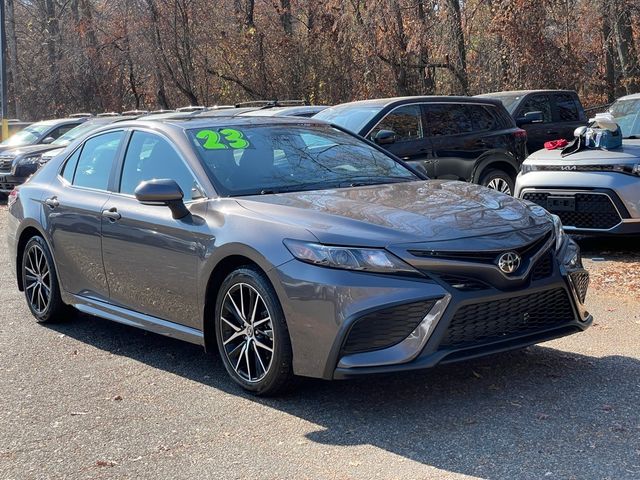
(135, 319)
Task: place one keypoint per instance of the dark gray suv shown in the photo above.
(291, 247)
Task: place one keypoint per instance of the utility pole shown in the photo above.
(3, 73)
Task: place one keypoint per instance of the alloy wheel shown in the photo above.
(500, 185)
(37, 278)
(246, 331)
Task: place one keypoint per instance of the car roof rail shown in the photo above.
(81, 115)
(108, 114)
(135, 112)
(161, 111)
(191, 108)
(272, 103)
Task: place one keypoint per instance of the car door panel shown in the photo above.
(151, 260)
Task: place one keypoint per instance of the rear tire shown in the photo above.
(251, 332)
(498, 180)
(40, 282)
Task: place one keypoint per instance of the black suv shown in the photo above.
(544, 114)
(459, 138)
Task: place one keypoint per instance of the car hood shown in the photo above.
(28, 149)
(380, 215)
(628, 153)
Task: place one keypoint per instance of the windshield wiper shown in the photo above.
(632, 137)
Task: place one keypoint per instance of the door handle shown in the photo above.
(112, 214)
(52, 202)
(552, 132)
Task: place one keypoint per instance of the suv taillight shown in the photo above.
(13, 197)
(520, 133)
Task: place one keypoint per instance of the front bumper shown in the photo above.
(606, 203)
(324, 306)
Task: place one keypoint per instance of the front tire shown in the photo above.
(252, 334)
(498, 180)
(40, 282)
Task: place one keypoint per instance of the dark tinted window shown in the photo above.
(70, 166)
(246, 160)
(96, 160)
(482, 118)
(537, 103)
(447, 119)
(150, 156)
(567, 108)
(405, 121)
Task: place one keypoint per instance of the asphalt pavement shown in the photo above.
(91, 399)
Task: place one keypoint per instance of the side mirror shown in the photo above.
(421, 169)
(530, 117)
(385, 137)
(48, 140)
(162, 192)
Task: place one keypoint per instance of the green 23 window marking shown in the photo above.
(223, 138)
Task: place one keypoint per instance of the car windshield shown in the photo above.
(251, 160)
(509, 100)
(349, 116)
(27, 135)
(627, 115)
(75, 132)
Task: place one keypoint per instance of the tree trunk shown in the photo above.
(609, 53)
(457, 39)
(12, 51)
(626, 49)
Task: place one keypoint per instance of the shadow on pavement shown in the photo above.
(534, 413)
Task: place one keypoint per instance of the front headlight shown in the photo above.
(526, 168)
(30, 160)
(558, 230)
(348, 258)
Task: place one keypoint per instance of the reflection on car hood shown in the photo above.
(629, 152)
(28, 149)
(380, 215)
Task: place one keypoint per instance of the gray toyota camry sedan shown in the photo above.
(290, 246)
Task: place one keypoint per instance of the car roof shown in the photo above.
(633, 96)
(384, 102)
(61, 121)
(521, 92)
(285, 111)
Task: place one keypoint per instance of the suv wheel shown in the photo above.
(41, 283)
(251, 333)
(498, 180)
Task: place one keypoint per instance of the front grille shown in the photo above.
(387, 327)
(5, 163)
(592, 211)
(581, 283)
(543, 267)
(501, 319)
(465, 284)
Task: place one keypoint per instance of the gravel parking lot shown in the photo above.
(94, 399)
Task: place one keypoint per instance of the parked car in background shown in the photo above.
(294, 111)
(545, 114)
(17, 164)
(291, 247)
(15, 125)
(593, 191)
(457, 138)
(41, 132)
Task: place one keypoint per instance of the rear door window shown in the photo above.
(58, 132)
(405, 122)
(538, 103)
(447, 119)
(96, 160)
(567, 108)
(482, 119)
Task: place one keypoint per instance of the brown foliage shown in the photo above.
(94, 55)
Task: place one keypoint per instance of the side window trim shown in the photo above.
(119, 170)
(63, 166)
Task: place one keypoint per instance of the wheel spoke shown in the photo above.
(233, 337)
(262, 345)
(253, 310)
(30, 271)
(33, 295)
(237, 310)
(257, 354)
(260, 322)
(31, 285)
(41, 297)
(246, 357)
(235, 328)
(244, 347)
(244, 317)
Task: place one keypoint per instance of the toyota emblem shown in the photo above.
(509, 262)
